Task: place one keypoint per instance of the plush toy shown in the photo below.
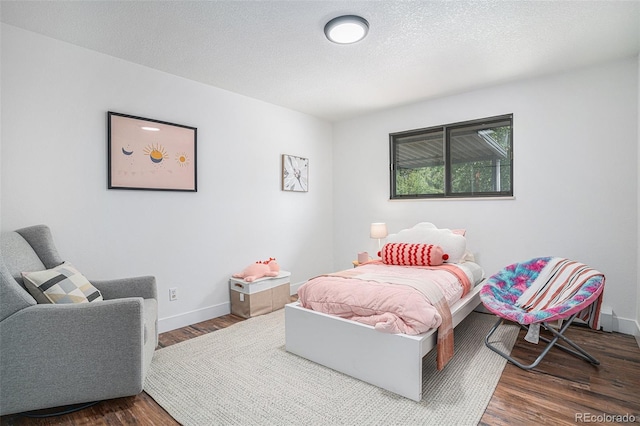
(265, 268)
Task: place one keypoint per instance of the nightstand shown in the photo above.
(356, 263)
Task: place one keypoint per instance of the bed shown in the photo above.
(392, 361)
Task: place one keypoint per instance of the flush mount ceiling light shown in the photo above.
(346, 29)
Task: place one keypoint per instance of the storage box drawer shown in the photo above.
(259, 297)
(263, 302)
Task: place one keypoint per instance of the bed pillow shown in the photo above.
(62, 284)
(453, 243)
(407, 254)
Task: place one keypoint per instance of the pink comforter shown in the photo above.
(393, 299)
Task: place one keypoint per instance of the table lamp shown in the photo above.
(379, 231)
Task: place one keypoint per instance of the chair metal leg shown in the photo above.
(581, 353)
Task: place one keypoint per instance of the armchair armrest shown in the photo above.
(144, 287)
(55, 355)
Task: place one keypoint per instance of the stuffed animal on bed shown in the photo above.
(265, 268)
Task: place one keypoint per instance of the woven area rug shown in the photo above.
(242, 375)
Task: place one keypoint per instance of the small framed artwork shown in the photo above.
(150, 154)
(295, 173)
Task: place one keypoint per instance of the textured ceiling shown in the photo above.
(276, 50)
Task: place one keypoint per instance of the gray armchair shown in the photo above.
(55, 355)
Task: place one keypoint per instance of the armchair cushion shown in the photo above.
(62, 284)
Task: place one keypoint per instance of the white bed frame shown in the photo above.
(390, 361)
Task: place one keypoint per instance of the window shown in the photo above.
(470, 159)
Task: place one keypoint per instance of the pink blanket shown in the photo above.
(392, 299)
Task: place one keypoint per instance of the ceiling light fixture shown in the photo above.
(346, 29)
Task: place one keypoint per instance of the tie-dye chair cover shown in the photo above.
(541, 290)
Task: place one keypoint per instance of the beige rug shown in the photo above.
(242, 375)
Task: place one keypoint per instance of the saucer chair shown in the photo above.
(542, 290)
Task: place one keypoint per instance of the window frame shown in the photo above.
(446, 130)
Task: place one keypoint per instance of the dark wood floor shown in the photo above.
(564, 390)
(559, 389)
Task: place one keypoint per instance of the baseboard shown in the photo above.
(608, 321)
(627, 326)
(193, 317)
(611, 322)
(637, 333)
(204, 314)
(606, 318)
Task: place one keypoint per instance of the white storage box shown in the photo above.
(261, 296)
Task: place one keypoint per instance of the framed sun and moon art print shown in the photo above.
(150, 154)
(295, 173)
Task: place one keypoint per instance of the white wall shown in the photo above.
(55, 97)
(575, 177)
(0, 133)
(638, 276)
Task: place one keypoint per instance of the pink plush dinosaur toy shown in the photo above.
(265, 268)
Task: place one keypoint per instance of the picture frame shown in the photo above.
(295, 173)
(149, 154)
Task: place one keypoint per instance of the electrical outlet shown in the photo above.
(173, 294)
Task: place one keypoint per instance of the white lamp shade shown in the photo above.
(379, 230)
